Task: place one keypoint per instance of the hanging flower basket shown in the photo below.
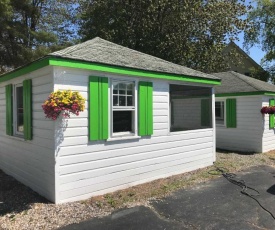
(268, 110)
(63, 103)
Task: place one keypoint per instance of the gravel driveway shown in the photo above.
(21, 208)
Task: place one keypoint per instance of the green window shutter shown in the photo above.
(27, 108)
(98, 108)
(145, 108)
(206, 112)
(231, 113)
(9, 110)
(271, 116)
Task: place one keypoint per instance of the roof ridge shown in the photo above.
(236, 75)
(138, 58)
(123, 47)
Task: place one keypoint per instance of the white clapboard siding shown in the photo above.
(268, 134)
(79, 88)
(75, 132)
(31, 162)
(139, 151)
(86, 168)
(81, 193)
(135, 159)
(39, 89)
(2, 96)
(248, 134)
(185, 138)
(161, 112)
(32, 179)
(132, 171)
(158, 133)
(28, 147)
(40, 98)
(134, 149)
(125, 168)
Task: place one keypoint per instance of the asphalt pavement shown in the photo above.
(216, 204)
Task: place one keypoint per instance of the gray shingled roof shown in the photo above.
(101, 51)
(233, 82)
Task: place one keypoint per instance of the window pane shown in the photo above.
(122, 121)
(123, 93)
(122, 100)
(115, 100)
(122, 88)
(185, 107)
(219, 110)
(130, 88)
(115, 88)
(129, 101)
(19, 109)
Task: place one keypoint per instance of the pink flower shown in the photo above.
(268, 110)
(264, 110)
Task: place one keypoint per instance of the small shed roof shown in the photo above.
(233, 82)
(101, 51)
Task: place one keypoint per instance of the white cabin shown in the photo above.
(144, 119)
(251, 131)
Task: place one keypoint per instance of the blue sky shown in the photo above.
(255, 52)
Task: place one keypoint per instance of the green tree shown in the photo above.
(263, 33)
(32, 28)
(188, 32)
(5, 12)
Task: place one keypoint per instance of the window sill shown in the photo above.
(120, 138)
(187, 131)
(17, 137)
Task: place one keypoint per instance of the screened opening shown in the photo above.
(190, 108)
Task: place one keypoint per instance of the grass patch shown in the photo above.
(233, 162)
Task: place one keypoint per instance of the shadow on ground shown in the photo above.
(233, 152)
(271, 190)
(11, 201)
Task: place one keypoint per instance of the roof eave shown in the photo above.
(73, 63)
(234, 94)
(25, 69)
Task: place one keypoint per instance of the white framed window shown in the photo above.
(123, 108)
(18, 120)
(220, 112)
